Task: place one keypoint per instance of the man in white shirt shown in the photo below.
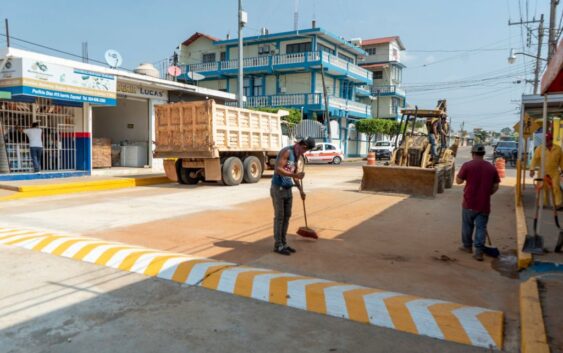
(35, 145)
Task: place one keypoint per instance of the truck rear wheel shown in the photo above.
(180, 172)
(252, 170)
(450, 178)
(233, 171)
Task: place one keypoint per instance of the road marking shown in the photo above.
(434, 318)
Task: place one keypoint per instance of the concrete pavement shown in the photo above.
(382, 241)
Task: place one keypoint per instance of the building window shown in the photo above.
(208, 58)
(258, 89)
(298, 48)
(347, 58)
(395, 105)
(264, 49)
(378, 75)
(324, 48)
(371, 51)
(223, 55)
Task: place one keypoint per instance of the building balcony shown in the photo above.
(363, 91)
(284, 63)
(388, 90)
(310, 102)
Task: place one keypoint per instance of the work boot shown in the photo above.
(290, 249)
(282, 250)
(466, 249)
(478, 255)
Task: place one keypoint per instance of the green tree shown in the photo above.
(372, 127)
(506, 131)
(293, 118)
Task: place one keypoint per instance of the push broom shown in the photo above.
(306, 232)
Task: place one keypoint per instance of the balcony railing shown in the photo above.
(387, 90)
(275, 62)
(306, 99)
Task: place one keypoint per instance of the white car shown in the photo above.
(324, 153)
(382, 149)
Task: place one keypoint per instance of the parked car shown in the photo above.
(324, 153)
(382, 149)
(506, 149)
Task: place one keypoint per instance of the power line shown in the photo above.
(58, 50)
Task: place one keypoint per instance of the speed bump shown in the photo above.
(427, 317)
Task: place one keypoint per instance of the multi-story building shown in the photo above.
(384, 61)
(286, 70)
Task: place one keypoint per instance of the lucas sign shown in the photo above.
(28, 77)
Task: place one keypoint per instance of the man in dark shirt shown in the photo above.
(285, 177)
(481, 181)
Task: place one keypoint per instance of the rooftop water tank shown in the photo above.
(147, 69)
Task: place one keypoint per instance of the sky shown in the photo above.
(455, 49)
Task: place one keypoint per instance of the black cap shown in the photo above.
(478, 148)
(309, 142)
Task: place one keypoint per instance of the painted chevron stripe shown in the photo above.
(434, 318)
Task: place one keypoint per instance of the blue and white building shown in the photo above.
(284, 70)
(383, 59)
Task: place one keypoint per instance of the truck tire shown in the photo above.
(252, 170)
(441, 181)
(180, 172)
(233, 171)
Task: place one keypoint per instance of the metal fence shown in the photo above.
(58, 136)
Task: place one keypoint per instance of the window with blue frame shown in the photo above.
(298, 48)
(258, 88)
(223, 55)
(347, 58)
(324, 48)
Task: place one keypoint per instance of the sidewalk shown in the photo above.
(547, 269)
(11, 190)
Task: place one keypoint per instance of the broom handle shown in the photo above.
(304, 209)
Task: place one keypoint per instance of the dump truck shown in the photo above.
(411, 169)
(203, 140)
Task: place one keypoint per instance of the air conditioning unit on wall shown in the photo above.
(283, 89)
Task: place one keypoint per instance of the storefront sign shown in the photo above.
(28, 77)
(141, 91)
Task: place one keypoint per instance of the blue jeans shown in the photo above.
(36, 153)
(471, 220)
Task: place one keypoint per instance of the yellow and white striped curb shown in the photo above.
(434, 318)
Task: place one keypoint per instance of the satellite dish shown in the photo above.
(194, 76)
(174, 71)
(113, 58)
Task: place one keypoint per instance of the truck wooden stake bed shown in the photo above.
(203, 140)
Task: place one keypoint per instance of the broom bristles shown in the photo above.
(307, 233)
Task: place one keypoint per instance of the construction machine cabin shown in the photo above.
(203, 140)
(412, 169)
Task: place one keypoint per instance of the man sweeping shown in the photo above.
(481, 181)
(285, 177)
(553, 166)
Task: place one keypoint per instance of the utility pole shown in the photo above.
(552, 29)
(540, 40)
(7, 33)
(84, 52)
(538, 57)
(242, 19)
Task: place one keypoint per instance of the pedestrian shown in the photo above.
(481, 181)
(553, 166)
(34, 135)
(444, 130)
(432, 125)
(285, 177)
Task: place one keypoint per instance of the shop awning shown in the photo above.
(552, 80)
